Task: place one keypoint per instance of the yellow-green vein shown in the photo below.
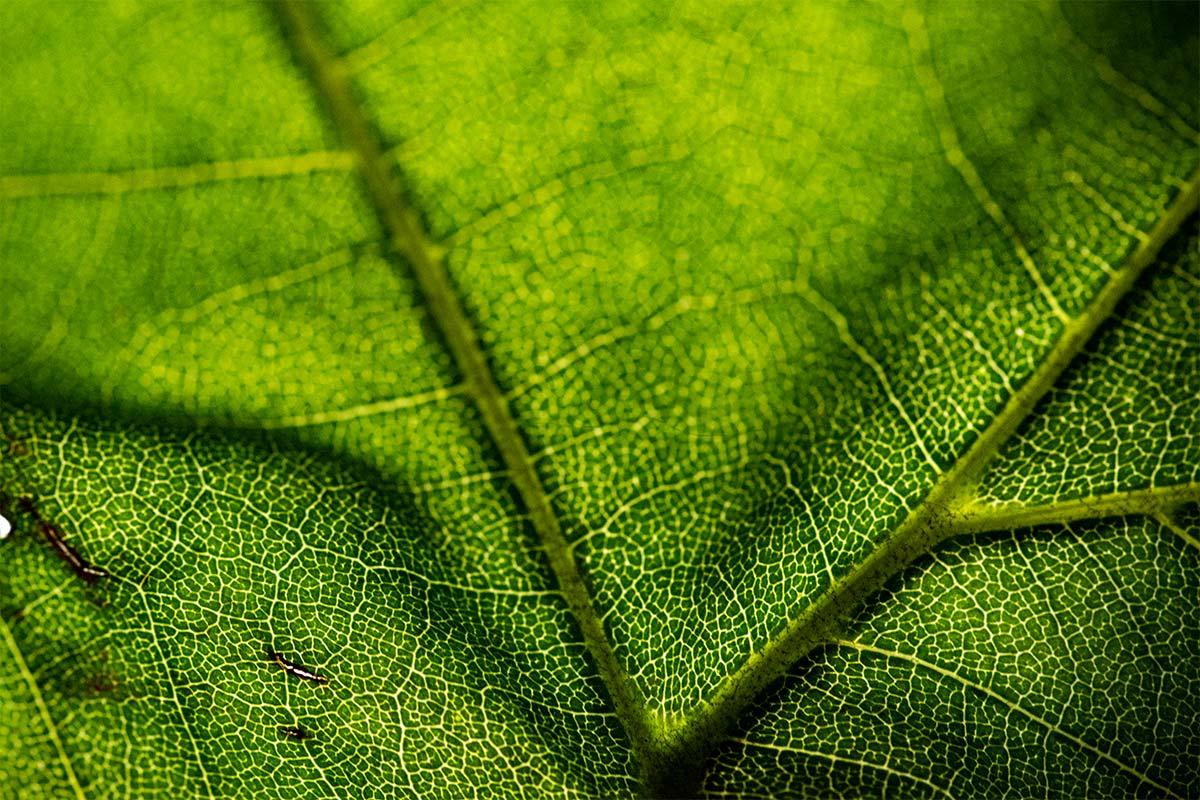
(979, 687)
(979, 518)
(837, 759)
(43, 711)
(70, 184)
(1164, 518)
(932, 520)
(425, 258)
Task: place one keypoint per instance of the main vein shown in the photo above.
(942, 513)
(425, 258)
(945, 511)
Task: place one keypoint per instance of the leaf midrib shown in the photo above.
(425, 259)
(946, 511)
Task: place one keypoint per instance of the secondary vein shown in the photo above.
(1146, 502)
(935, 518)
(425, 258)
(70, 184)
(1167, 521)
(43, 712)
(994, 695)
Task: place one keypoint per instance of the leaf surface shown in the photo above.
(556, 378)
(1047, 659)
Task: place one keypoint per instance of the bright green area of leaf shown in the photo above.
(752, 281)
(1057, 660)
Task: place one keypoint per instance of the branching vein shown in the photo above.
(677, 751)
(1165, 519)
(948, 504)
(1145, 502)
(1109, 74)
(148, 178)
(858, 762)
(409, 238)
(1017, 707)
(935, 98)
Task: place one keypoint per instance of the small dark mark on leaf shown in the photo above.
(87, 572)
(295, 669)
(102, 683)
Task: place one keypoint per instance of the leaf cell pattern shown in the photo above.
(558, 377)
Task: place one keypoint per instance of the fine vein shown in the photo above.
(935, 99)
(979, 687)
(1170, 524)
(43, 711)
(930, 522)
(925, 526)
(838, 759)
(150, 178)
(425, 258)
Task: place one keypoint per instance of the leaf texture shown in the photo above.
(557, 377)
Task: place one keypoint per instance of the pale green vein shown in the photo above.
(652, 324)
(639, 158)
(929, 522)
(375, 408)
(1164, 519)
(425, 258)
(156, 641)
(697, 477)
(935, 99)
(1109, 74)
(411, 28)
(836, 759)
(151, 337)
(150, 178)
(68, 298)
(40, 703)
(1101, 202)
(1017, 707)
(980, 518)
(842, 326)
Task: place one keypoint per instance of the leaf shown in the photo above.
(1056, 657)
(556, 379)
(221, 551)
(1056, 684)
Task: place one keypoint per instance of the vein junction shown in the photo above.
(947, 510)
(972, 517)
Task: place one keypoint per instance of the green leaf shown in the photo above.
(1050, 670)
(1058, 659)
(554, 379)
